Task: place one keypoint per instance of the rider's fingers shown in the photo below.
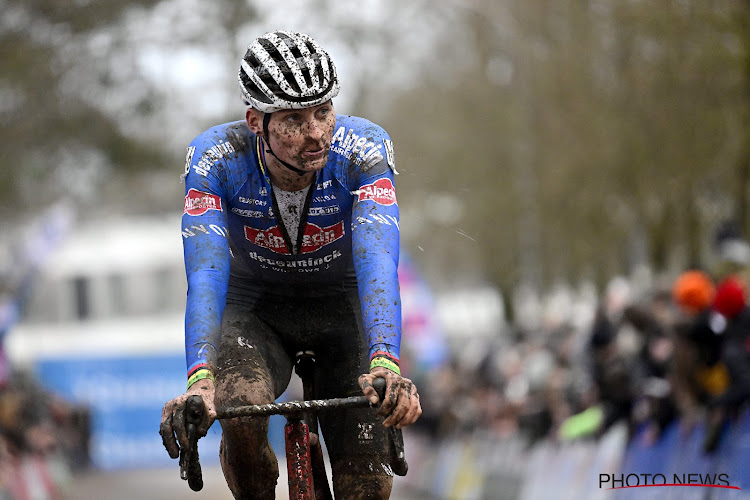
(415, 410)
(402, 405)
(365, 382)
(391, 397)
(180, 430)
(167, 433)
(209, 415)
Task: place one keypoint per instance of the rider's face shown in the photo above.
(302, 137)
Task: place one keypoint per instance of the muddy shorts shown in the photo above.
(260, 342)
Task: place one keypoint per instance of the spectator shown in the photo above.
(730, 320)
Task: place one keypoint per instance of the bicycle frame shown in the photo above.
(300, 475)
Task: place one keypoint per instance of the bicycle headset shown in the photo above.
(284, 70)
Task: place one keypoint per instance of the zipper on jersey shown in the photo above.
(277, 212)
(302, 218)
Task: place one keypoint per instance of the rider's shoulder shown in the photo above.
(227, 147)
(358, 125)
(361, 148)
(231, 136)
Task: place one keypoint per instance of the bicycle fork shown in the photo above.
(298, 460)
(310, 465)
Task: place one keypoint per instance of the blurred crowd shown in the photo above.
(44, 440)
(678, 349)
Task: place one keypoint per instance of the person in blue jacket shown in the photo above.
(291, 243)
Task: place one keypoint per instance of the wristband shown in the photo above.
(199, 375)
(385, 363)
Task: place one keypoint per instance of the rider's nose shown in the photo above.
(315, 129)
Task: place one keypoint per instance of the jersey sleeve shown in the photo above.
(207, 259)
(375, 246)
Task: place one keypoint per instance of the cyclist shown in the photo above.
(291, 243)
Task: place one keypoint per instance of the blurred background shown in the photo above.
(574, 203)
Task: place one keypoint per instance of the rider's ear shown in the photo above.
(254, 119)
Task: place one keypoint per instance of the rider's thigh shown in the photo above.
(358, 444)
(252, 367)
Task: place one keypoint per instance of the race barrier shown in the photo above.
(480, 466)
(126, 395)
(677, 458)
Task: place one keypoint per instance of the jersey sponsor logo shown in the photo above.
(324, 198)
(313, 239)
(317, 237)
(198, 202)
(333, 209)
(358, 149)
(212, 156)
(307, 265)
(255, 214)
(252, 201)
(381, 191)
(270, 238)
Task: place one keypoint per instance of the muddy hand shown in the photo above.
(173, 428)
(401, 403)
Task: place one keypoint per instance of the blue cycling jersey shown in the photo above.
(236, 246)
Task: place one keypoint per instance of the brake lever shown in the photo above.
(398, 457)
(190, 467)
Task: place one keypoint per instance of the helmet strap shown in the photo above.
(266, 120)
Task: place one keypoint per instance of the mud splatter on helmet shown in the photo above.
(284, 70)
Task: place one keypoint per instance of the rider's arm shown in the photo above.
(375, 245)
(207, 257)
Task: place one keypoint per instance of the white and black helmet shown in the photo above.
(283, 70)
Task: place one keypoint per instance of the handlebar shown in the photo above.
(299, 408)
(190, 468)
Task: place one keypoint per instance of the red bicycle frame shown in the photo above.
(298, 460)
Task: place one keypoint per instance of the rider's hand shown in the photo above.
(173, 427)
(401, 403)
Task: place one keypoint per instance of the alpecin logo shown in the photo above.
(381, 191)
(623, 481)
(198, 202)
(270, 238)
(313, 239)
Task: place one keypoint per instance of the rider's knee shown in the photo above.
(236, 388)
(245, 431)
(375, 484)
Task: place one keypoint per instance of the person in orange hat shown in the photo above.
(693, 291)
(697, 373)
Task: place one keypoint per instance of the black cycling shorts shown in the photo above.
(260, 342)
